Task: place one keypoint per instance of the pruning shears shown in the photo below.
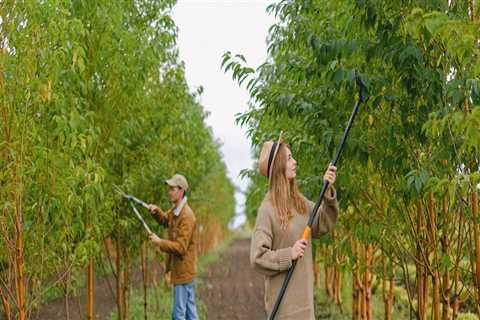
(131, 200)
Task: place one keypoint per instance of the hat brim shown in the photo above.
(171, 183)
(277, 147)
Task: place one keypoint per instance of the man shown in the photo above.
(180, 246)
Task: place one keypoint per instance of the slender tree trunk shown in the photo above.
(391, 298)
(436, 272)
(118, 263)
(316, 266)
(421, 290)
(316, 271)
(145, 278)
(446, 294)
(67, 293)
(126, 284)
(331, 282)
(476, 236)
(364, 282)
(356, 290)
(6, 306)
(436, 295)
(446, 249)
(90, 315)
(327, 279)
(426, 291)
(460, 242)
(338, 287)
(388, 284)
(329, 274)
(19, 257)
(420, 274)
(456, 301)
(6, 155)
(363, 303)
(355, 298)
(368, 281)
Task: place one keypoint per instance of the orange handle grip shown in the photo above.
(306, 233)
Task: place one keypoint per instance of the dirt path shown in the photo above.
(230, 288)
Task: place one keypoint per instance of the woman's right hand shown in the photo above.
(298, 249)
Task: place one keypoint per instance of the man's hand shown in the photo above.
(331, 174)
(153, 208)
(154, 238)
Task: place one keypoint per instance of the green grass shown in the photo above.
(325, 308)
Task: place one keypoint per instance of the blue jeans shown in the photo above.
(184, 302)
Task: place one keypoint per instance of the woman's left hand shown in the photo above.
(330, 174)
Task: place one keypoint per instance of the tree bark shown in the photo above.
(476, 236)
(118, 263)
(145, 278)
(90, 314)
(436, 272)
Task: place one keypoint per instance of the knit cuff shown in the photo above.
(284, 258)
(330, 195)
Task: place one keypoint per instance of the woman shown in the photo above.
(281, 218)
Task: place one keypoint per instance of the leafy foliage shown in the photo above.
(417, 135)
(92, 94)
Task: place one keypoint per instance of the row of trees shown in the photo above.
(408, 181)
(92, 93)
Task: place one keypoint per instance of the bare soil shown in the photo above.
(229, 289)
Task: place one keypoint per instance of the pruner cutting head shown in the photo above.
(362, 88)
(119, 191)
(130, 197)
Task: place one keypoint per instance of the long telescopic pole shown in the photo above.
(308, 229)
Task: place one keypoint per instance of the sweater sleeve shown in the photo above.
(326, 215)
(262, 257)
(179, 246)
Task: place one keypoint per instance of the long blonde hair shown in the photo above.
(285, 194)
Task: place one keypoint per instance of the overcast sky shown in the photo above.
(207, 29)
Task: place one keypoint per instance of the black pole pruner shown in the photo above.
(362, 95)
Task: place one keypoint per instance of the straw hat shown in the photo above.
(268, 155)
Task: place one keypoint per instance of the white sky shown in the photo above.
(207, 29)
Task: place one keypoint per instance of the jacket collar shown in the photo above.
(179, 207)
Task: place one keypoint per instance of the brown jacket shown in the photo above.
(181, 245)
(270, 254)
